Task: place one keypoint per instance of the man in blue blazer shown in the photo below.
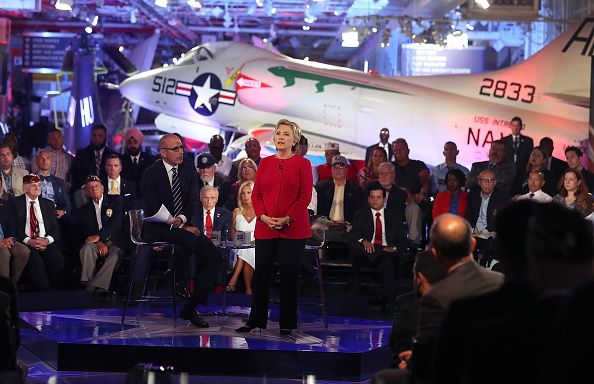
(52, 187)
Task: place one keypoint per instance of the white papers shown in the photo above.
(162, 216)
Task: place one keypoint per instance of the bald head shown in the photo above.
(451, 237)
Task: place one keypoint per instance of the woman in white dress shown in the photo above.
(244, 220)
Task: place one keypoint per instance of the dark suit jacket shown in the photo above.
(466, 280)
(396, 204)
(221, 220)
(18, 217)
(112, 224)
(127, 192)
(83, 165)
(223, 185)
(497, 200)
(524, 149)
(61, 196)
(363, 223)
(352, 198)
(133, 172)
(157, 191)
(370, 149)
(505, 172)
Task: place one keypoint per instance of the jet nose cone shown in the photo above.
(133, 87)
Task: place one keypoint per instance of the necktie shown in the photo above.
(491, 166)
(208, 224)
(114, 187)
(531, 195)
(176, 190)
(33, 222)
(378, 229)
(97, 160)
(135, 161)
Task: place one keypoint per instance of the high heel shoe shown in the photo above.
(285, 332)
(246, 328)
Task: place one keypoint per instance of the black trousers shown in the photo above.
(386, 263)
(289, 253)
(44, 267)
(189, 243)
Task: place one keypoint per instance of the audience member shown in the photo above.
(208, 171)
(247, 172)
(302, 149)
(454, 200)
(537, 162)
(244, 220)
(384, 143)
(19, 161)
(452, 244)
(573, 192)
(60, 159)
(90, 160)
(135, 161)
(378, 239)
(324, 171)
(102, 219)
(369, 173)
(574, 157)
(209, 217)
(12, 177)
(52, 187)
(518, 148)
(252, 150)
(13, 255)
(33, 222)
(536, 181)
(554, 165)
(513, 297)
(411, 175)
(115, 184)
(223, 162)
(505, 170)
(439, 172)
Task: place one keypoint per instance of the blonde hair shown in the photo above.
(294, 127)
(241, 186)
(248, 160)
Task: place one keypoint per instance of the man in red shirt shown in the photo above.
(325, 170)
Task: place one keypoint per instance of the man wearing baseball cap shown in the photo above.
(33, 222)
(206, 165)
(331, 150)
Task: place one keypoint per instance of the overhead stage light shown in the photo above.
(484, 4)
(64, 5)
(161, 3)
(194, 4)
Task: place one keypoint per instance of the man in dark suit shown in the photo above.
(208, 218)
(482, 206)
(102, 219)
(517, 149)
(338, 198)
(135, 161)
(379, 238)
(90, 160)
(52, 187)
(115, 184)
(34, 224)
(554, 165)
(207, 170)
(452, 244)
(505, 170)
(384, 142)
(174, 184)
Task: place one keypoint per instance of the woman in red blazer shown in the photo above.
(282, 192)
(454, 199)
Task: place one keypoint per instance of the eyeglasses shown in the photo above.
(487, 181)
(247, 168)
(175, 149)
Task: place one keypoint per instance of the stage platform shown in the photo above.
(92, 340)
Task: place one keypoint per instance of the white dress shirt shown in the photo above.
(39, 217)
(224, 166)
(98, 212)
(539, 196)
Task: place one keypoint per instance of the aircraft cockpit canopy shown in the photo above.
(203, 53)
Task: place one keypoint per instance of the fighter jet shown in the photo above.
(236, 86)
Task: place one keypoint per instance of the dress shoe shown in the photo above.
(246, 328)
(181, 292)
(285, 332)
(193, 317)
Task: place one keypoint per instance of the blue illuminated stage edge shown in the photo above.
(93, 340)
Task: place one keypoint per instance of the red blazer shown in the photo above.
(283, 188)
(442, 204)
